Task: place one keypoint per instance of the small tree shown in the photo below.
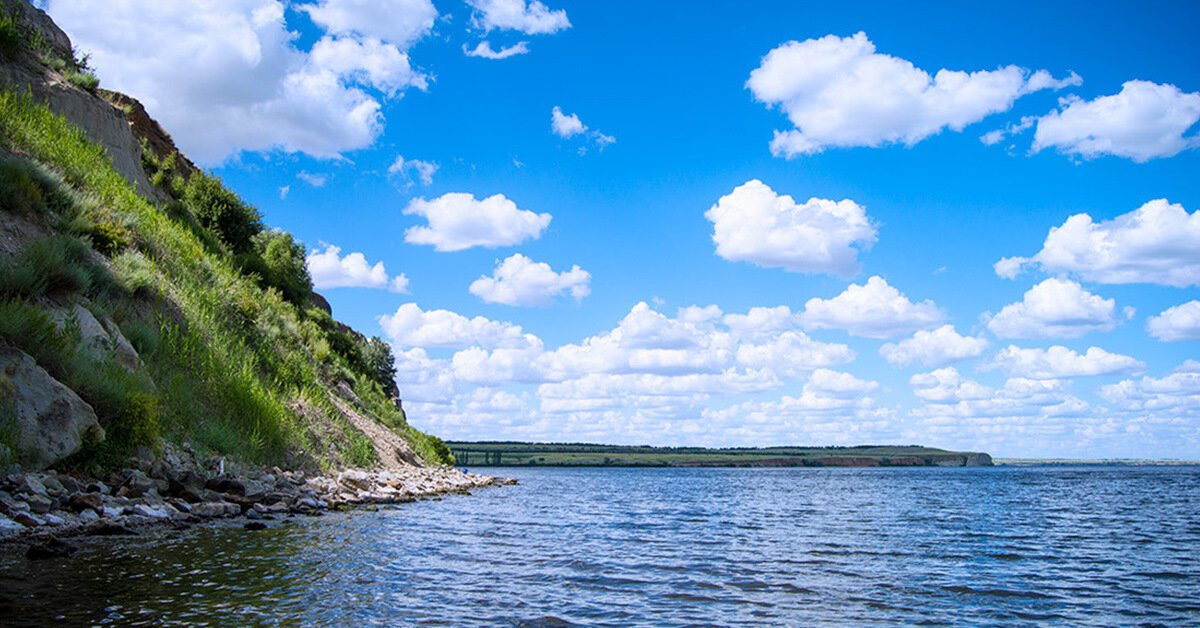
(221, 211)
(283, 264)
(380, 365)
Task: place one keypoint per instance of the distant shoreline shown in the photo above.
(1096, 462)
(511, 453)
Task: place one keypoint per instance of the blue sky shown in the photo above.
(1084, 344)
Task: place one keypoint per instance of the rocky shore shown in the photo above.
(179, 489)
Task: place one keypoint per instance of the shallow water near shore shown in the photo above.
(1096, 545)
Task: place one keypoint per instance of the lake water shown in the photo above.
(1101, 546)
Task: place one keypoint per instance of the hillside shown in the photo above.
(482, 454)
(144, 305)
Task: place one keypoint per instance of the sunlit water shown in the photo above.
(670, 547)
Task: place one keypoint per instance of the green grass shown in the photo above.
(10, 37)
(231, 360)
(83, 80)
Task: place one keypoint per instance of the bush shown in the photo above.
(380, 366)
(223, 212)
(283, 265)
(83, 80)
(52, 265)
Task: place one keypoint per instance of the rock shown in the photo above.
(9, 527)
(152, 512)
(80, 502)
(69, 484)
(226, 484)
(54, 486)
(52, 519)
(89, 516)
(98, 487)
(52, 548)
(10, 505)
(30, 484)
(28, 519)
(136, 485)
(51, 421)
(255, 525)
(39, 504)
(109, 528)
(215, 509)
(127, 356)
(186, 492)
(79, 320)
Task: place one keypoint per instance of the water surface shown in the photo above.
(1099, 545)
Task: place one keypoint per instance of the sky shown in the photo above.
(952, 224)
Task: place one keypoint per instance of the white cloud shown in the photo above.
(793, 352)
(410, 326)
(1143, 121)
(315, 180)
(228, 76)
(568, 126)
(1055, 308)
(519, 280)
(754, 224)
(484, 50)
(1181, 322)
(565, 125)
(840, 92)
(283, 192)
(401, 22)
(1158, 242)
(1059, 362)
(872, 310)
(330, 270)
(423, 170)
(938, 347)
(530, 17)
(458, 221)
(1174, 395)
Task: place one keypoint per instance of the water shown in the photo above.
(1098, 546)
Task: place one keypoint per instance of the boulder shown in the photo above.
(39, 504)
(52, 422)
(9, 527)
(136, 485)
(52, 548)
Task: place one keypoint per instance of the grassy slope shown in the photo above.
(575, 454)
(229, 366)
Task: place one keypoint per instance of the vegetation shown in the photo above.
(10, 37)
(236, 360)
(589, 455)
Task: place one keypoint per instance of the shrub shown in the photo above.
(283, 265)
(223, 212)
(134, 273)
(83, 80)
(379, 365)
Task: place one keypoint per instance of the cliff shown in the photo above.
(143, 305)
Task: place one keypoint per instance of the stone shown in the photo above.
(80, 502)
(28, 519)
(215, 509)
(8, 526)
(255, 525)
(226, 484)
(52, 548)
(136, 485)
(98, 487)
(52, 422)
(53, 519)
(152, 512)
(88, 516)
(30, 484)
(69, 484)
(53, 486)
(10, 505)
(39, 504)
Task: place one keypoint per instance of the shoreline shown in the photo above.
(39, 508)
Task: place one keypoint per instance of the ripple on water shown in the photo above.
(673, 547)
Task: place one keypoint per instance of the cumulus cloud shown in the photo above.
(329, 269)
(872, 310)
(408, 168)
(1181, 322)
(1059, 362)
(1174, 395)
(937, 347)
(754, 224)
(1143, 121)
(228, 76)
(530, 17)
(410, 326)
(1055, 308)
(1158, 243)
(567, 126)
(840, 92)
(459, 221)
(519, 280)
(484, 50)
(315, 180)
(793, 352)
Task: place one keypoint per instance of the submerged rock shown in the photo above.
(53, 548)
